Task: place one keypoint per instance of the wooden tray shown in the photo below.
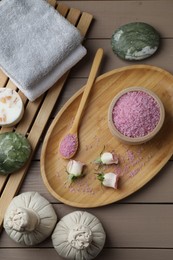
(36, 113)
(138, 164)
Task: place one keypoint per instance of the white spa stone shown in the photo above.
(11, 107)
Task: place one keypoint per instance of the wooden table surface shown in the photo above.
(140, 226)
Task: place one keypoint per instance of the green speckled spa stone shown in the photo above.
(135, 41)
(15, 150)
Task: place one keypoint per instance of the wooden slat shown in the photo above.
(110, 254)
(53, 3)
(73, 15)
(85, 19)
(109, 15)
(62, 9)
(40, 115)
(3, 79)
(162, 58)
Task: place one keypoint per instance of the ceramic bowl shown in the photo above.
(146, 137)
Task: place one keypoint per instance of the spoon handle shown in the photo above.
(88, 86)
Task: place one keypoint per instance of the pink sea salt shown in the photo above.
(68, 145)
(136, 114)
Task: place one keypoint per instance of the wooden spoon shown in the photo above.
(69, 144)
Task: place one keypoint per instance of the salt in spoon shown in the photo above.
(69, 144)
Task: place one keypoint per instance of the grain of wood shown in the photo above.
(62, 9)
(162, 58)
(73, 15)
(53, 3)
(3, 79)
(109, 15)
(107, 253)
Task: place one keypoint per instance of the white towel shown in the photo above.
(37, 45)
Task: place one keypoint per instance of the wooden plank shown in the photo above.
(135, 254)
(162, 58)
(126, 226)
(3, 79)
(62, 9)
(112, 253)
(10, 188)
(74, 15)
(85, 19)
(121, 12)
(53, 3)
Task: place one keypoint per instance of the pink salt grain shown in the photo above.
(68, 145)
(136, 114)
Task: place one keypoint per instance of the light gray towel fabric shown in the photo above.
(51, 78)
(34, 38)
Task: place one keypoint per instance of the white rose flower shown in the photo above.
(75, 168)
(109, 179)
(108, 158)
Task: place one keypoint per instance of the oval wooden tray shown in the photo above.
(137, 164)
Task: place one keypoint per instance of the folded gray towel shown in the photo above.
(34, 38)
(47, 81)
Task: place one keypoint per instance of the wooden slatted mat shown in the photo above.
(36, 113)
